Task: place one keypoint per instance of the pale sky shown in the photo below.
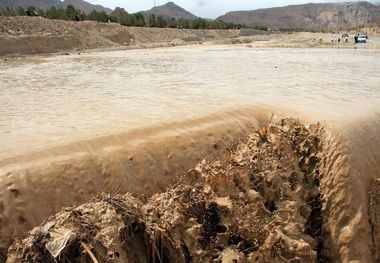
(204, 8)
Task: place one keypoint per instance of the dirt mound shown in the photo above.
(35, 35)
(259, 201)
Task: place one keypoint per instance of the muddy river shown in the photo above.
(60, 99)
(133, 121)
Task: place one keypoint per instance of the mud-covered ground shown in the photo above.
(258, 201)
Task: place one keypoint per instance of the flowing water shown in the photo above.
(56, 100)
(72, 126)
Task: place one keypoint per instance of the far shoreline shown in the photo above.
(88, 37)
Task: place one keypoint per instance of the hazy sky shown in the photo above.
(204, 8)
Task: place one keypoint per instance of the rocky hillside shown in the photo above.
(85, 6)
(45, 4)
(309, 16)
(170, 10)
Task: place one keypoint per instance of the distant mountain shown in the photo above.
(85, 6)
(170, 10)
(46, 4)
(309, 16)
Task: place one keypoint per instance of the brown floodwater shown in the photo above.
(131, 121)
(61, 99)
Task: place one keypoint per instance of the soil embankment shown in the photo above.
(35, 35)
(278, 194)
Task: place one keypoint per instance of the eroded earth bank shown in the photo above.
(285, 192)
(36, 35)
(20, 36)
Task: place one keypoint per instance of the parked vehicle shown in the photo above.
(361, 39)
(31, 13)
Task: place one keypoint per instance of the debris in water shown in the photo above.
(254, 203)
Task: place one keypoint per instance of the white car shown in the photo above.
(362, 39)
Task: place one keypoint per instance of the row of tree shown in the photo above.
(199, 23)
(119, 15)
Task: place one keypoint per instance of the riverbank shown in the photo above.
(36, 35)
(20, 36)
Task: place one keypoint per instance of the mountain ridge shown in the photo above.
(344, 15)
(46, 4)
(170, 10)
